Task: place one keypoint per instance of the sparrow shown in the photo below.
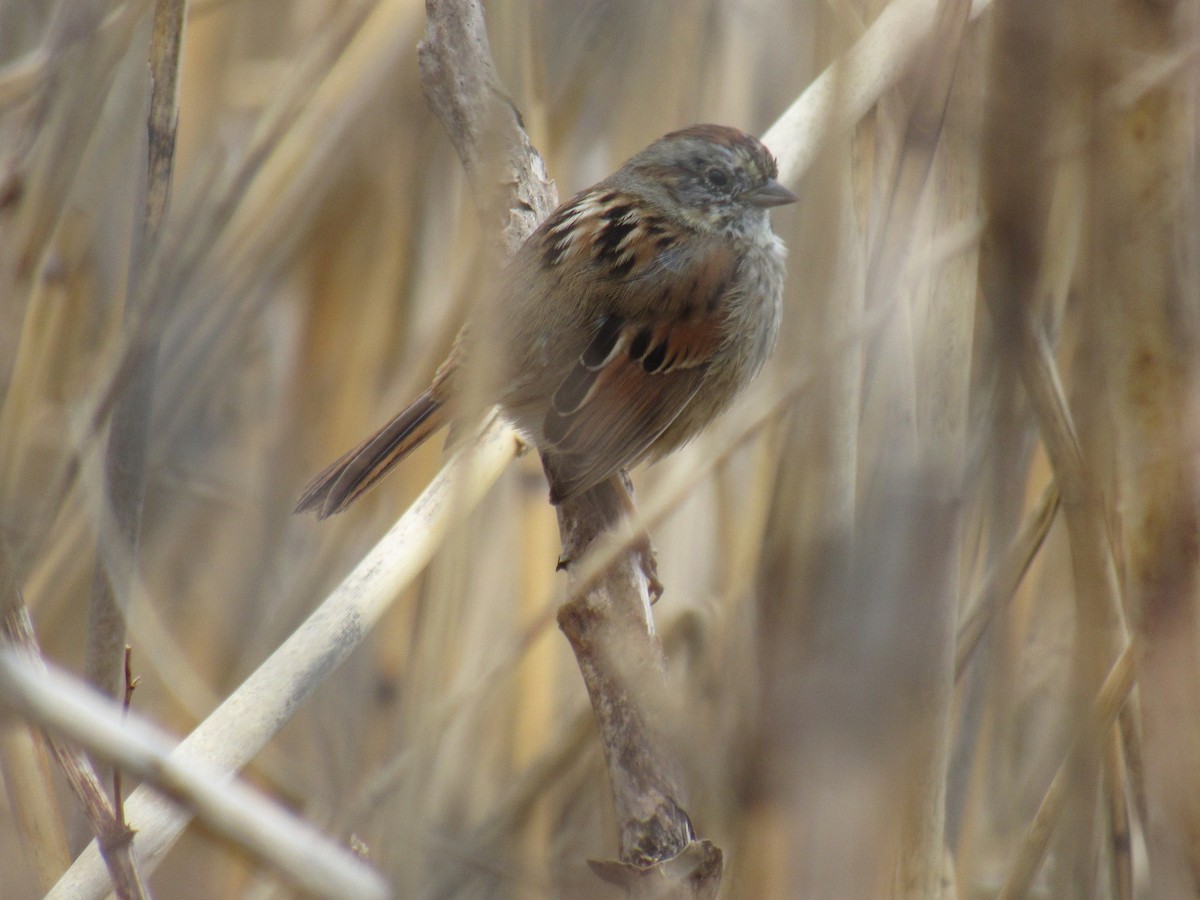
(628, 320)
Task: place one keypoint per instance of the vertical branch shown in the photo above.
(130, 683)
(611, 630)
(165, 43)
(609, 627)
(507, 175)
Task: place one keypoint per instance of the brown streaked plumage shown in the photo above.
(630, 318)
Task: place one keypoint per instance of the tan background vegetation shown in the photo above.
(321, 250)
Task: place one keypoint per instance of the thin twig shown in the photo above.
(130, 684)
(65, 706)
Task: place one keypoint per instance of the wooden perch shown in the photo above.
(609, 625)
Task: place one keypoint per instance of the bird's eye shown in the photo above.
(717, 178)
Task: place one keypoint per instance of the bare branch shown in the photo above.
(508, 176)
(610, 627)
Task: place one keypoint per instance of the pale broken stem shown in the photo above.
(847, 89)
(1088, 742)
(254, 713)
(113, 837)
(66, 707)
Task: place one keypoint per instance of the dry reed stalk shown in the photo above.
(25, 767)
(1024, 121)
(250, 716)
(41, 152)
(1141, 120)
(1119, 821)
(125, 459)
(103, 811)
(938, 390)
(1088, 741)
(55, 105)
(63, 706)
(1002, 581)
(537, 677)
(943, 328)
(846, 91)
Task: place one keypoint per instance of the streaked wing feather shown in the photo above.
(663, 288)
(605, 418)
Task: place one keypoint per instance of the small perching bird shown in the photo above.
(626, 322)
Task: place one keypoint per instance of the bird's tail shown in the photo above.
(357, 471)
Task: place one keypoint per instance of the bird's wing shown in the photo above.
(654, 294)
(636, 375)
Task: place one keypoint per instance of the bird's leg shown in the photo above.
(644, 545)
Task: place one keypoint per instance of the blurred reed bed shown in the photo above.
(936, 373)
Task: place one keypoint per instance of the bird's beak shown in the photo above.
(770, 194)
